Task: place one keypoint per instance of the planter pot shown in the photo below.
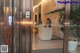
(79, 43)
(72, 45)
(45, 33)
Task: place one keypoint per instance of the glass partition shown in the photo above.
(22, 26)
(6, 25)
(74, 29)
(44, 32)
(15, 26)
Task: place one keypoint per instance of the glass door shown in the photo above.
(22, 26)
(48, 28)
(6, 26)
(15, 26)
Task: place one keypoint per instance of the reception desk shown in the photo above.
(44, 33)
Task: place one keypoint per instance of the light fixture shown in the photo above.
(42, 1)
(6, 10)
(25, 22)
(37, 5)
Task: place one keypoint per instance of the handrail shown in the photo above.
(57, 10)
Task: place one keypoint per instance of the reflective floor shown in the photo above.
(52, 44)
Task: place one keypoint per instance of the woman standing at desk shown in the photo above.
(48, 22)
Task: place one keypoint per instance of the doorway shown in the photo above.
(48, 27)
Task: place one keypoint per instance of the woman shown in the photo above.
(48, 22)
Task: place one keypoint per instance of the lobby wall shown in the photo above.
(47, 7)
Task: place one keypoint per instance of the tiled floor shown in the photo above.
(52, 44)
(48, 51)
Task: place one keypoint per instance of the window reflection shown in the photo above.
(5, 28)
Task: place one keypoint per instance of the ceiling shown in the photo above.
(36, 2)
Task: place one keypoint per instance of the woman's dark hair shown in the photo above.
(49, 22)
(48, 19)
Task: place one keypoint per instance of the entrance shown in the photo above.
(48, 27)
(34, 26)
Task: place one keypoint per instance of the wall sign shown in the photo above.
(27, 14)
(10, 20)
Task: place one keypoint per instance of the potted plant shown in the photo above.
(74, 36)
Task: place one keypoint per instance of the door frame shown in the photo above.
(66, 26)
